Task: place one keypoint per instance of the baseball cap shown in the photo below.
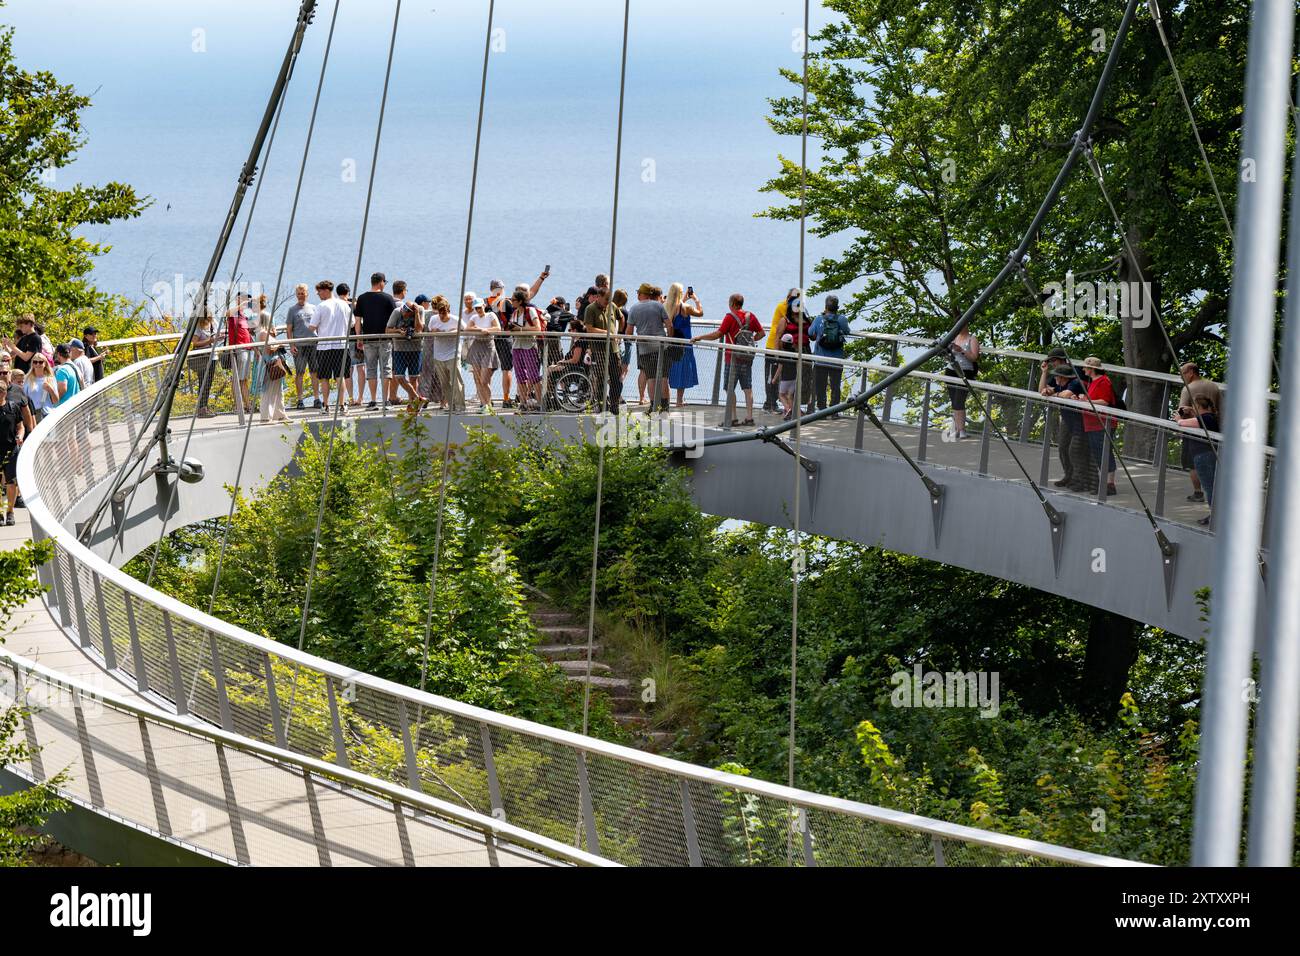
(77, 344)
(90, 330)
(788, 339)
(422, 299)
(496, 284)
(479, 304)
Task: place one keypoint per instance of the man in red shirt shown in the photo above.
(1102, 394)
(738, 328)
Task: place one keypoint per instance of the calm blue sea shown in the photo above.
(179, 87)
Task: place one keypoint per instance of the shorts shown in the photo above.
(406, 363)
(504, 354)
(526, 366)
(787, 387)
(9, 459)
(648, 362)
(742, 373)
(379, 359)
(330, 363)
(957, 394)
(305, 360)
(240, 362)
(626, 355)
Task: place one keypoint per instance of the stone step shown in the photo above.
(627, 705)
(572, 634)
(566, 652)
(657, 740)
(618, 688)
(550, 617)
(632, 721)
(579, 667)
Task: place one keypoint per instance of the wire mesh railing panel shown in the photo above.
(638, 813)
(539, 785)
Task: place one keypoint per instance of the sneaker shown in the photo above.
(1111, 490)
(298, 404)
(1203, 522)
(10, 520)
(1062, 483)
(371, 405)
(316, 403)
(1196, 496)
(19, 503)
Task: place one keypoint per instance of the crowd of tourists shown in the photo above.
(386, 347)
(389, 347)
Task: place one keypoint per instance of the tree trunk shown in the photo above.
(1144, 348)
(1111, 651)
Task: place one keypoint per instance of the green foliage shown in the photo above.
(21, 813)
(44, 257)
(941, 125)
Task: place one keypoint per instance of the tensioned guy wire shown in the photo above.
(459, 307)
(796, 565)
(235, 385)
(347, 344)
(606, 359)
(279, 279)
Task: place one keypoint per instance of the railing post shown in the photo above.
(219, 673)
(317, 824)
(1162, 413)
(110, 652)
(805, 828)
(78, 605)
(717, 375)
(490, 764)
(60, 592)
(408, 747)
(889, 389)
(925, 423)
(237, 836)
(273, 703)
(1027, 418)
(859, 433)
(688, 825)
(588, 811)
(173, 659)
(1103, 469)
(155, 781)
(1049, 423)
(985, 433)
(937, 844)
(340, 748)
(1162, 468)
(87, 754)
(137, 653)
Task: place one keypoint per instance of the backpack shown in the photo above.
(832, 334)
(1119, 399)
(9, 413)
(744, 337)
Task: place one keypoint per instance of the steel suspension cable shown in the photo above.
(1131, 253)
(347, 344)
(606, 359)
(236, 386)
(796, 563)
(459, 306)
(1154, 7)
(1016, 256)
(279, 279)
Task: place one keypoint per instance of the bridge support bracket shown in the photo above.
(1056, 522)
(1169, 562)
(936, 492)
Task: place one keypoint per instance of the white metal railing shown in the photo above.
(616, 802)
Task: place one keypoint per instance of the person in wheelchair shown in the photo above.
(569, 379)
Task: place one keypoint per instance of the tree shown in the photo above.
(942, 123)
(44, 263)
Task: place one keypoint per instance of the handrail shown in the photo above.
(342, 775)
(79, 555)
(1007, 391)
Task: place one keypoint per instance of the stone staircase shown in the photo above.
(563, 643)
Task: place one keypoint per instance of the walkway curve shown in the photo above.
(619, 804)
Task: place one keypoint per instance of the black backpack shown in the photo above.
(9, 415)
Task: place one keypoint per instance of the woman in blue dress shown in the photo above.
(682, 374)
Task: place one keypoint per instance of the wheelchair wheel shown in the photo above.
(571, 390)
